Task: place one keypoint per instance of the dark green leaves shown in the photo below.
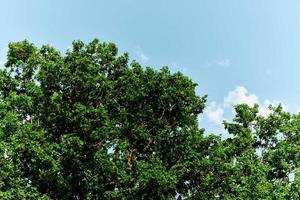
(88, 125)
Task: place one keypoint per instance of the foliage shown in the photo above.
(88, 125)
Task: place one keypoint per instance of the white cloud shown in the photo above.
(140, 54)
(240, 95)
(2, 65)
(214, 113)
(224, 62)
(264, 108)
(2, 60)
(143, 57)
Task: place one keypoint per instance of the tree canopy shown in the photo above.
(90, 124)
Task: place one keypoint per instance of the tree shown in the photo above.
(88, 125)
(265, 154)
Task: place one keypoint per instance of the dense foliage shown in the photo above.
(88, 125)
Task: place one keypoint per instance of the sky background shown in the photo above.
(237, 51)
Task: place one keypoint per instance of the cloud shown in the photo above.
(264, 108)
(214, 113)
(240, 95)
(225, 62)
(144, 57)
(140, 54)
(2, 62)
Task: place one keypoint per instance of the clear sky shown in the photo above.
(237, 51)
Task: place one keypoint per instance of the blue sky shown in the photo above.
(237, 51)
